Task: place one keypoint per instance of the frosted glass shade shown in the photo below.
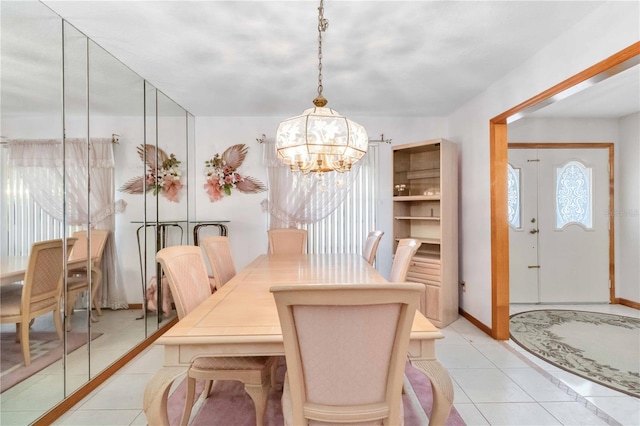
(320, 140)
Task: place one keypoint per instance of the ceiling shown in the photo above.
(380, 58)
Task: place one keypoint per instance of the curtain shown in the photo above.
(46, 167)
(296, 199)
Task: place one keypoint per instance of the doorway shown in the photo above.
(558, 223)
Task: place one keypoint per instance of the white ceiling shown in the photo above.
(385, 58)
(259, 58)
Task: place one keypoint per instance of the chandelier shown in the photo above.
(320, 139)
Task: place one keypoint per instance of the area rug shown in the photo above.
(603, 348)
(228, 403)
(45, 350)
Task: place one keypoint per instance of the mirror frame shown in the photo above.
(616, 63)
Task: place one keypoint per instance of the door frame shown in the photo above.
(618, 62)
(586, 145)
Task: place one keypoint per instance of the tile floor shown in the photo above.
(26, 401)
(496, 383)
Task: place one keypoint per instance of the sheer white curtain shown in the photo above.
(45, 167)
(295, 199)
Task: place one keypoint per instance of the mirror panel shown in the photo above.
(31, 91)
(116, 113)
(76, 126)
(47, 86)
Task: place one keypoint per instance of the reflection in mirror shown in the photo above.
(31, 116)
(70, 110)
(116, 114)
(77, 214)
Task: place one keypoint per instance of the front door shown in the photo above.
(559, 233)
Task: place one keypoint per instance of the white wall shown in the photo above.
(627, 212)
(606, 31)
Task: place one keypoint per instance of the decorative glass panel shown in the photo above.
(573, 195)
(513, 196)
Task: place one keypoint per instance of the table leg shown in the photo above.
(157, 392)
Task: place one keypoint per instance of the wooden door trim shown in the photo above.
(624, 59)
(588, 145)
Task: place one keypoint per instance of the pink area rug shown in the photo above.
(228, 404)
(45, 350)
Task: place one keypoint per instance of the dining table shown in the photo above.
(241, 319)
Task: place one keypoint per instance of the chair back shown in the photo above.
(218, 252)
(287, 241)
(407, 247)
(346, 348)
(371, 245)
(43, 278)
(98, 242)
(186, 272)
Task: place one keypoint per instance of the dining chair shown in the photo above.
(218, 252)
(186, 272)
(407, 248)
(78, 278)
(40, 294)
(287, 241)
(371, 245)
(346, 349)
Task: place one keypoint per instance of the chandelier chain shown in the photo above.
(322, 27)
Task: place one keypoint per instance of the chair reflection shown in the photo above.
(346, 348)
(78, 279)
(40, 294)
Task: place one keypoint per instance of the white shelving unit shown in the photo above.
(425, 207)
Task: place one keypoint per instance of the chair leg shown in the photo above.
(207, 388)
(17, 332)
(57, 321)
(94, 296)
(259, 394)
(24, 342)
(188, 402)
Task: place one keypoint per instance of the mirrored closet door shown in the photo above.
(77, 129)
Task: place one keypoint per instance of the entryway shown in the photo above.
(559, 239)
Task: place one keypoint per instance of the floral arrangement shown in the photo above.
(222, 175)
(163, 174)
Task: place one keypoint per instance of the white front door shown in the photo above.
(560, 251)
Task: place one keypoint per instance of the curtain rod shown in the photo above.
(115, 138)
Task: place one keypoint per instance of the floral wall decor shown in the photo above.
(222, 175)
(163, 174)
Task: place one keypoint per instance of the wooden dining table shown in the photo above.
(241, 319)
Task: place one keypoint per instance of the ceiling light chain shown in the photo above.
(323, 24)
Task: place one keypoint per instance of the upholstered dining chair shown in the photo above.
(346, 349)
(218, 252)
(407, 247)
(186, 273)
(371, 245)
(41, 292)
(78, 278)
(287, 241)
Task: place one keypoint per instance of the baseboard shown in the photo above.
(475, 322)
(627, 302)
(56, 412)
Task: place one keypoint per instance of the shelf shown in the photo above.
(416, 218)
(434, 241)
(416, 198)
